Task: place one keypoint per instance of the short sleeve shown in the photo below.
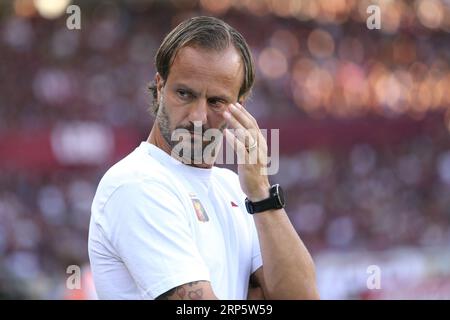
(147, 225)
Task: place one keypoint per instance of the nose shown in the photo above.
(198, 111)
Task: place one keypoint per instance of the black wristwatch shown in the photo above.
(275, 201)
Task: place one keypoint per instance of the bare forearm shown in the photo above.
(288, 270)
(288, 267)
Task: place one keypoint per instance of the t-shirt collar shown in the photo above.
(168, 161)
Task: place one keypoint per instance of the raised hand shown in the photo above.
(251, 149)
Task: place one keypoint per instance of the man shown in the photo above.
(165, 227)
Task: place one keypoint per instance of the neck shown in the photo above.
(158, 140)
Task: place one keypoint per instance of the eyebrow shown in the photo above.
(186, 87)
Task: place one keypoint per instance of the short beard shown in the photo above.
(162, 118)
(163, 121)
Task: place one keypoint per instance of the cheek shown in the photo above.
(175, 111)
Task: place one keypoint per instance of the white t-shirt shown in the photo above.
(157, 224)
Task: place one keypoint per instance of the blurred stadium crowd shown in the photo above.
(365, 154)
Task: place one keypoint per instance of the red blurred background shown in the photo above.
(363, 119)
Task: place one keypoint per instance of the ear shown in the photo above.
(159, 84)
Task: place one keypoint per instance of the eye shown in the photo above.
(216, 103)
(183, 94)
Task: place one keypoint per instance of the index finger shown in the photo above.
(241, 115)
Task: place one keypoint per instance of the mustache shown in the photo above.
(196, 129)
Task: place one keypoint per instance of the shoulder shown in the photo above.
(135, 175)
(140, 190)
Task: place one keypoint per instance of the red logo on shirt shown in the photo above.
(233, 204)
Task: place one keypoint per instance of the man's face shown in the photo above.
(200, 85)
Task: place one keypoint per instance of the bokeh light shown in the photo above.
(320, 43)
(51, 9)
(364, 119)
(272, 63)
(430, 13)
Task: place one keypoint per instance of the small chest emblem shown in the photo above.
(199, 209)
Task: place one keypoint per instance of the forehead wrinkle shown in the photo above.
(209, 66)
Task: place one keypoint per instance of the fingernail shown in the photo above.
(226, 114)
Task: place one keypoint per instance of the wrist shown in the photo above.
(273, 199)
(261, 193)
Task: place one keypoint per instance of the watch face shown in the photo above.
(280, 195)
(277, 193)
(248, 206)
